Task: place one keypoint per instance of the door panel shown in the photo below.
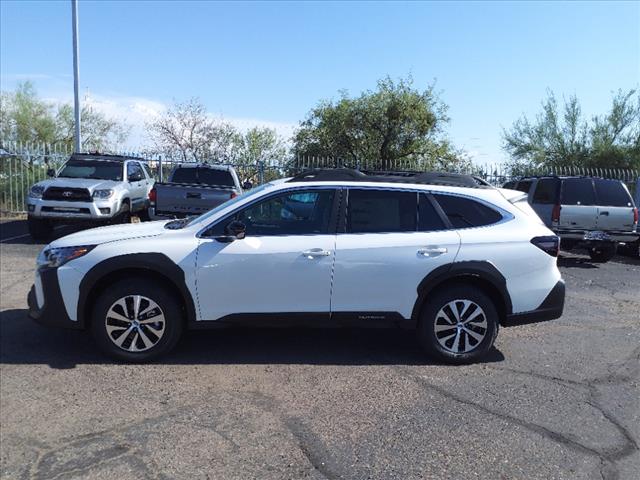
(381, 272)
(579, 208)
(267, 274)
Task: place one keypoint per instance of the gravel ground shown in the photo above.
(558, 399)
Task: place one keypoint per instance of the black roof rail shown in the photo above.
(106, 156)
(425, 178)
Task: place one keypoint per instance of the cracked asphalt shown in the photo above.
(555, 400)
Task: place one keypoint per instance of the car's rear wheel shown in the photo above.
(458, 325)
(603, 253)
(136, 320)
(39, 228)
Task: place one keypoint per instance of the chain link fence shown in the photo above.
(22, 165)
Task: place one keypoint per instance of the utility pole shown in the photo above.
(77, 144)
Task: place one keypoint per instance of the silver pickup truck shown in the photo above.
(90, 187)
(192, 189)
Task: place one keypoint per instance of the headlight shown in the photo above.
(56, 257)
(103, 194)
(36, 191)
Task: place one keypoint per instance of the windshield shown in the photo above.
(92, 169)
(206, 216)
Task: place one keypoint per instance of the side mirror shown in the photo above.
(135, 177)
(247, 185)
(235, 230)
(51, 172)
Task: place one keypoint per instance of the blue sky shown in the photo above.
(269, 63)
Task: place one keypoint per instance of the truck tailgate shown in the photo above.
(178, 199)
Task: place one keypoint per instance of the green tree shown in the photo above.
(395, 124)
(561, 136)
(25, 118)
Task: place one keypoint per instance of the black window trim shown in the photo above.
(333, 218)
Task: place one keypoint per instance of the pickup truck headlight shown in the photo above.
(56, 257)
(102, 194)
(36, 191)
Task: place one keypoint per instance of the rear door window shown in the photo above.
(578, 191)
(429, 219)
(464, 212)
(611, 193)
(546, 191)
(381, 211)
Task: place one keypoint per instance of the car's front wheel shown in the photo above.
(136, 320)
(39, 228)
(458, 325)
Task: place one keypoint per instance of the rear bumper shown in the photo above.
(53, 312)
(615, 236)
(550, 309)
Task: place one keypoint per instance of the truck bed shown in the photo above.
(182, 199)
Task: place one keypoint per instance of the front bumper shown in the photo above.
(52, 313)
(96, 210)
(550, 309)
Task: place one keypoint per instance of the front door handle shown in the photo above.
(315, 252)
(432, 251)
(604, 213)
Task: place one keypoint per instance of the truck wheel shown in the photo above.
(124, 215)
(39, 228)
(458, 325)
(603, 253)
(143, 215)
(136, 320)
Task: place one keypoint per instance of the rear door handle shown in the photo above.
(431, 251)
(315, 252)
(604, 213)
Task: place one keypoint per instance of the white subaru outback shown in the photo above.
(439, 253)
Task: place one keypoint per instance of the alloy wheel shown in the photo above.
(460, 326)
(135, 323)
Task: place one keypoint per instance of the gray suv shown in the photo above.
(585, 212)
(90, 188)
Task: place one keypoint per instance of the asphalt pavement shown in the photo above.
(554, 400)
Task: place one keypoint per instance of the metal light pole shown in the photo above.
(76, 77)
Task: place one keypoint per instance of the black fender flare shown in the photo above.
(474, 270)
(151, 263)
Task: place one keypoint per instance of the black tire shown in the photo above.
(431, 340)
(603, 253)
(143, 215)
(124, 215)
(139, 335)
(39, 228)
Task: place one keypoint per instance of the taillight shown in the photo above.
(152, 195)
(548, 244)
(233, 195)
(635, 215)
(555, 214)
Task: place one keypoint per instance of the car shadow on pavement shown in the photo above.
(14, 232)
(576, 262)
(22, 341)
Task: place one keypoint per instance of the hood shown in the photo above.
(96, 236)
(90, 183)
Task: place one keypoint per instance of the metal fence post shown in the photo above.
(160, 168)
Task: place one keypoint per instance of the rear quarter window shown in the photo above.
(611, 193)
(464, 212)
(546, 191)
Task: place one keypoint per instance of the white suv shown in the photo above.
(435, 252)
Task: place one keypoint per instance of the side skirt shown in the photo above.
(308, 320)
